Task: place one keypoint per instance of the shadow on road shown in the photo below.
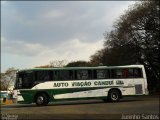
(77, 102)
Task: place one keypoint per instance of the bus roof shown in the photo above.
(75, 68)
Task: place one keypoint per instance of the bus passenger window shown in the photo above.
(130, 73)
(43, 76)
(63, 75)
(101, 74)
(118, 73)
(89, 74)
(71, 75)
(82, 74)
(94, 74)
(55, 75)
(138, 73)
(125, 73)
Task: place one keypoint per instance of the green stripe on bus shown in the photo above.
(28, 95)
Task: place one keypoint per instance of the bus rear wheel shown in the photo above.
(41, 99)
(114, 95)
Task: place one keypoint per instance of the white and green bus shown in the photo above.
(44, 85)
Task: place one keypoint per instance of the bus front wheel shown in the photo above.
(41, 99)
(114, 95)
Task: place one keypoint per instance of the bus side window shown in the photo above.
(102, 74)
(71, 75)
(125, 73)
(27, 80)
(130, 73)
(112, 74)
(75, 75)
(94, 74)
(51, 75)
(118, 73)
(59, 75)
(64, 75)
(90, 74)
(82, 74)
(55, 75)
(43, 76)
(138, 73)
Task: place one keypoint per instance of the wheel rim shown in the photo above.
(114, 96)
(40, 100)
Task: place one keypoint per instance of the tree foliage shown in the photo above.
(8, 79)
(135, 40)
(53, 64)
(78, 64)
(58, 63)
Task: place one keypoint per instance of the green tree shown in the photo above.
(135, 39)
(78, 64)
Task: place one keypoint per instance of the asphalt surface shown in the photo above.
(143, 107)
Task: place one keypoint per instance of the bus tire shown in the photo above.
(114, 95)
(41, 99)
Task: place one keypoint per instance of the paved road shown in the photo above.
(138, 107)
